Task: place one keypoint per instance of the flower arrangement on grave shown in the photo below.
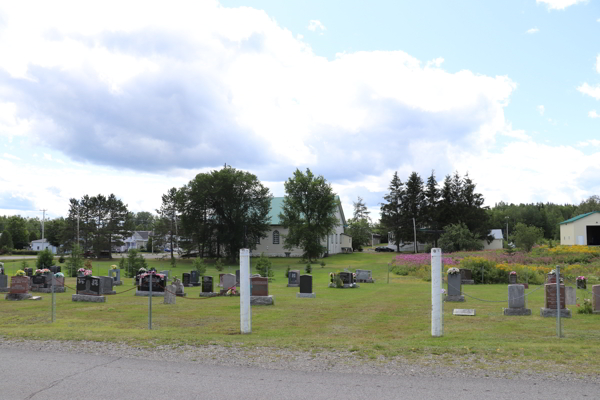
(553, 272)
(453, 271)
(141, 270)
(81, 270)
(581, 278)
(353, 275)
(38, 271)
(87, 272)
(513, 272)
(59, 275)
(20, 273)
(45, 271)
(587, 307)
(231, 292)
(114, 267)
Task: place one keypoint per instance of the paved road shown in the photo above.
(38, 375)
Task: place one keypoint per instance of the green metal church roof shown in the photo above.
(277, 207)
(578, 217)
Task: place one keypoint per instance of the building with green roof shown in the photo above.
(337, 242)
(583, 229)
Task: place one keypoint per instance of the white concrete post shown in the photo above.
(437, 325)
(245, 311)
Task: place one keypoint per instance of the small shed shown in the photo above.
(583, 230)
(496, 243)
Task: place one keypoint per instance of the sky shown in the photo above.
(133, 98)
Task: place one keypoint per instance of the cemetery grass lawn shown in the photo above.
(376, 321)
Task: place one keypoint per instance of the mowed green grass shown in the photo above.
(374, 320)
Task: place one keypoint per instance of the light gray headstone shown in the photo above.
(454, 282)
(228, 281)
(363, 274)
(516, 296)
(170, 296)
(571, 295)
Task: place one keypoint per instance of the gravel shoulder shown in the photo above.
(313, 361)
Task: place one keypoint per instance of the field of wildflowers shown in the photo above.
(496, 265)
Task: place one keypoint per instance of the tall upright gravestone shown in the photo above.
(516, 301)
(552, 304)
(306, 287)
(454, 288)
(294, 278)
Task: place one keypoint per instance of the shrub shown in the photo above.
(287, 272)
(263, 266)
(45, 259)
(75, 261)
(308, 268)
(323, 264)
(587, 307)
(61, 259)
(135, 261)
(458, 238)
(199, 266)
(219, 265)
(526, 236)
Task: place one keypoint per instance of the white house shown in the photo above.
(42, 244)
(496, 243)
(583, 229)
(272, 245)
(137, 240)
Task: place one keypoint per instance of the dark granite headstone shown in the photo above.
(207, 284)
(259, 286)
(28, 271)
(581, 284)
(305, 283)
(55, 269)
(512, 279)
(19, 284)
(294, 278)
(454, 282)
(346, 277)
(3, 281)
(194, 278)
(186, 279)
(38, 281)
(159, 282)
(237, 277)
(90, 285)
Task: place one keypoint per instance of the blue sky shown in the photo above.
(132, 99)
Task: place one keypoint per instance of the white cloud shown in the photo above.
(593, 114)
(532, 30)
(591, 142)
(541, 109)
(156, 95)
(598, 63)
(10, 156)
(315, 25)
(559, 4)
(593, 91)
(437, 62)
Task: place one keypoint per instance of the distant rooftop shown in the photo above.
(578, 217)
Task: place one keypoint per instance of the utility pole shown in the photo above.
(43, 218)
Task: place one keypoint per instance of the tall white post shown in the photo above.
(437, 324)
(245, 312)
